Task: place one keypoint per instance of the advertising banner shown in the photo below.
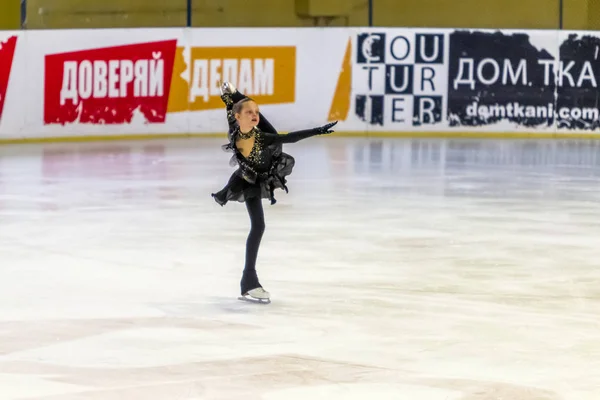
(128, 82)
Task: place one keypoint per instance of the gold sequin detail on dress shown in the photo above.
(257, 149)
(246, 135)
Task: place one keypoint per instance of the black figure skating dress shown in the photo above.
(267, 166)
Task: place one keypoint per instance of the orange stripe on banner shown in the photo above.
(179, 93)
(340, 105)
(367, 135)
(108, 138)
(470, 135)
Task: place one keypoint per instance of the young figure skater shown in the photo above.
(263, 167)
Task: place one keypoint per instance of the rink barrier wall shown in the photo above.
(221, 135)
(81, 85)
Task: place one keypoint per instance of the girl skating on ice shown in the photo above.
(263, 167)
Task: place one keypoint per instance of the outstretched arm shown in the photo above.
(296, 136)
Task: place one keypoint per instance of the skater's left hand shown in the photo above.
(326, 128)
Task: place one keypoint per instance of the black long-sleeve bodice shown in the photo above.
(267, 146)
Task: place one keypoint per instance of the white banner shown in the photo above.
(123, 82)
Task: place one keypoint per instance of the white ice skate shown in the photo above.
(258, 295)
(227, 87)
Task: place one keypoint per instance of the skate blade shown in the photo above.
(253, 300)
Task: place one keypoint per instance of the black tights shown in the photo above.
(257, 228)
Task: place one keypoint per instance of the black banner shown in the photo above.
(579, 74)
(496, 76)
(511, 77)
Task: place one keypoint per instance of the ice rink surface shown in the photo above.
(399, 270)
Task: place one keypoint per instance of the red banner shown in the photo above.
(7, 53)
(109, 85)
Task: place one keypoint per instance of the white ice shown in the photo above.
(399, 270)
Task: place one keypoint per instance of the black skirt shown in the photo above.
(244, 184)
